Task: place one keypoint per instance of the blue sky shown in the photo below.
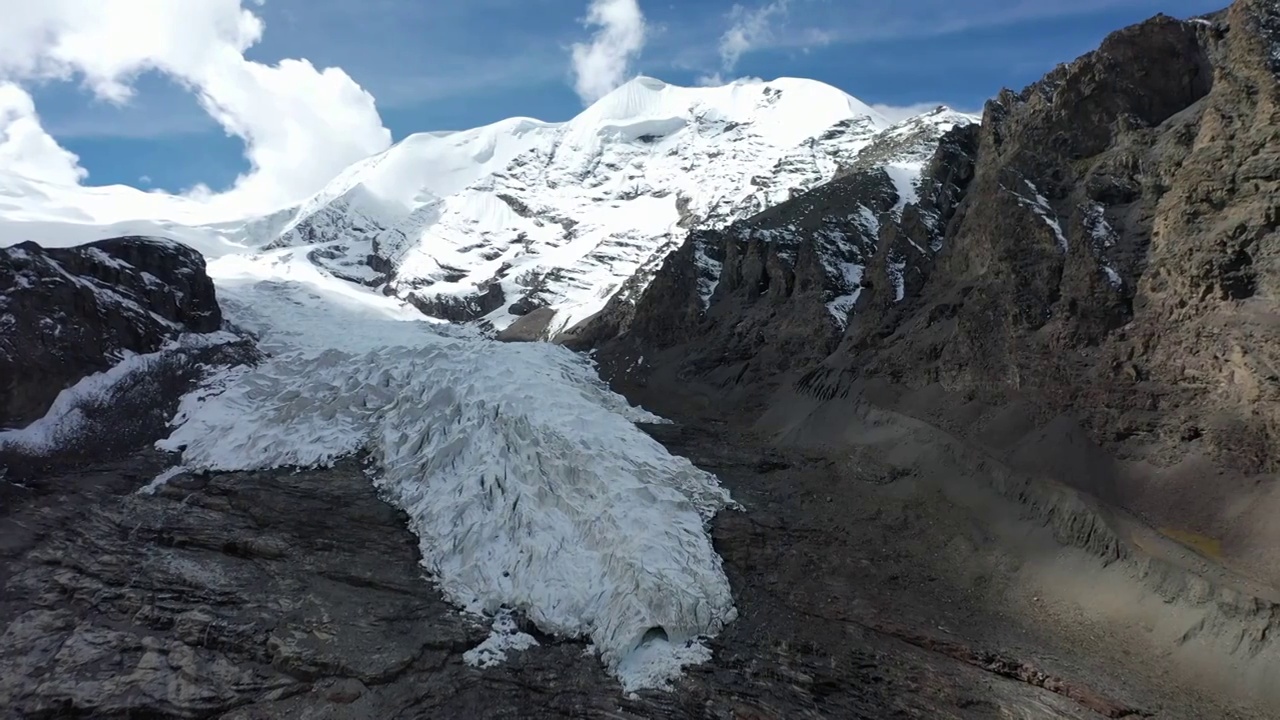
(450, 64)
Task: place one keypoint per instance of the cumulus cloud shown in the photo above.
(605, 63)
(300, 125)
(25, 148)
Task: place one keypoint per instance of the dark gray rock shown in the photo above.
(460, 309)
(70, 312)
(288, 594)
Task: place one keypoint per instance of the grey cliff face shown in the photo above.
(1084, 291)
(1111, 254)
(68, 313)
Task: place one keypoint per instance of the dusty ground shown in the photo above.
(875, 542)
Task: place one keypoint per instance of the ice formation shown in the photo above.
(524, 476)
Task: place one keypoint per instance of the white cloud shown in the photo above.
(301, 126)
(749, 29)
(25, 148)
(760, 27)
(605, 62)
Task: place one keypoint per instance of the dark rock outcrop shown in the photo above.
(66, 313)
(1111, 257)
(739, 309)
(1085, 295)
(460, 308)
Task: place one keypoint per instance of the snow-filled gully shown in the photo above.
(524, 477)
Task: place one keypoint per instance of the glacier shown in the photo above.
(524, 477)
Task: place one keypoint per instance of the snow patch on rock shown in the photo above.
(1039, 204)
(65, 420)
(505, 638)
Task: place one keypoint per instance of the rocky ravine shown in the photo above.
(1077, 312)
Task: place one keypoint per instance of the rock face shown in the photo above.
(740, 308)
(68, 313)
(1083, 289)
(1113, 256)
(1103, 245)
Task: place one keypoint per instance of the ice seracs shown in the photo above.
(523, 475)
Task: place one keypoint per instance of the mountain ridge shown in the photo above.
(1078, 309)
(492, 223)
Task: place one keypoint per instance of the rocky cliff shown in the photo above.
(1112, 261)
(71, 312)
(1103, 245)
(1083, 292)
(131, 321)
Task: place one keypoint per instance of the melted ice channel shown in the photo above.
(525, 479)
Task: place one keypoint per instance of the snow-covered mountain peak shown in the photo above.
(498, 221)
(786, 110)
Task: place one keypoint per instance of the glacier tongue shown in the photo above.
(524, 477)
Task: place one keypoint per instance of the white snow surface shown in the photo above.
(524, 477)
(65, 422)
(505, 638)
(587, 202)
(568, 211)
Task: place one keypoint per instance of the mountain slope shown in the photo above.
(501, 220)
(524, 216)
(774, 292)
(1077, 311)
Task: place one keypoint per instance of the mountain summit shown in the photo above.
(503, 220)
(494, 223)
